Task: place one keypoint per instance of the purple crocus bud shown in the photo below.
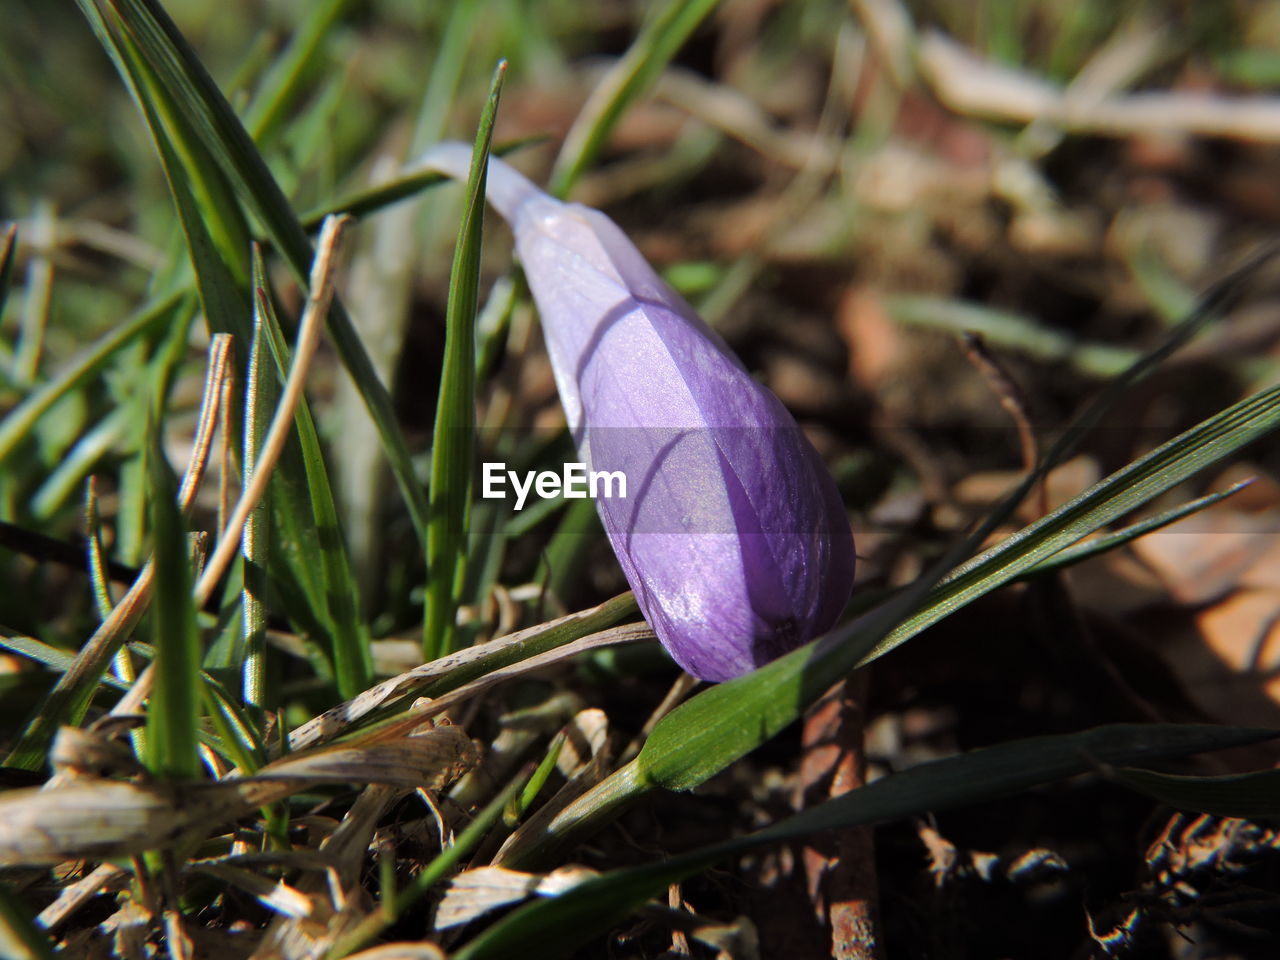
(732, 533)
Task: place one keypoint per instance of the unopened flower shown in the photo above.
(732, 533)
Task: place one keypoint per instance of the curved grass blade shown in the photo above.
(399, 188)
(20, 937)
(52, 658)
(552, 927)
(711, 730)
(339, 593)
(216, 125)
(279, 88)
(455, 426)
(7, 244)
(173, 716)
(1251, 795)
(259, 401)
(18, 423)
(659, 40)
(1118, 538)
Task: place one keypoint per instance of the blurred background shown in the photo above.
(844, 189)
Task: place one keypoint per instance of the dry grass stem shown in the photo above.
(339, 719)
(91, 660)
(425, 709)
(93, 818)
(309, 328)
(970, 85)
(1013, 401)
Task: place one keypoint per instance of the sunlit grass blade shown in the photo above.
(553, 926)
(1118, 538)
(352, 661)
(711, 730)
(52, 658)
(373, 199)
(236, 730)
(260, 396)
(662, 35)
(1123, 491)
(1010, 331)
(173, 715)
(19, 422)
(455, 425)
(215, 123)
(99, 581)
(226, 309)
(284, 79)
(60, 485)
(69, 699)
(20, 939)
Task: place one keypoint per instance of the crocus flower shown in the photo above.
(732, 533)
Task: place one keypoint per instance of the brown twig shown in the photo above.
(840, 867)
(1013, 402)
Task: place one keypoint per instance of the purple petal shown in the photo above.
(732, 534)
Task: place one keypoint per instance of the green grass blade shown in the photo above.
(706, 733)
(339, 596)
(284, 80)
(260, 397)
(1010, 331)
(1251, 795)
(225, 309)
(216, 125)
(19, 422)
(7, 244)
(259, 401)
(658, 41)
(553, 926)
(20, 937)
(1125, 490)
(205, 201)
(173, 715)
(372, 199)
(49, 657)
(60, 485)
(1092, 548)
(99, 581)
(430, 875)
(454, 434)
